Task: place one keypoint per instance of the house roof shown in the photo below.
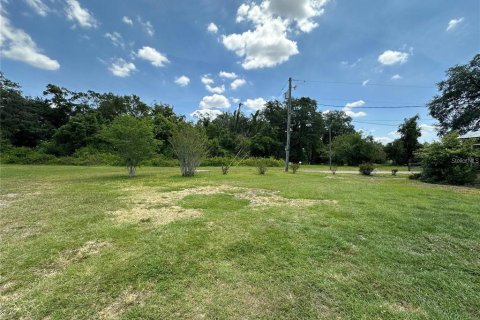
(470, 135)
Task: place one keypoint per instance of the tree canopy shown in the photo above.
(457, 107)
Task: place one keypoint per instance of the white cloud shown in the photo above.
(212, 28)
(122, 68)
(147, 26)
(383, 140)
(255, 104)
(219, 89)
(80, 15)
(182, 81)
(349, 106)
(127, 20)
(206, 114)
(228, 75)
(395, 134)
(16, 44)
(397, 77)
(215, 101)
(267, 43)
(235, 100)
(150, 54)
(206, 79)
(39, 7)
(364, 83)
(237, 83)
(452, 24)
(116, 38)
(390, 57)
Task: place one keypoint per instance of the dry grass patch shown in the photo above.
(127, 299)
(160, 207)
(70, 256)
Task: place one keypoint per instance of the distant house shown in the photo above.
(475, 135)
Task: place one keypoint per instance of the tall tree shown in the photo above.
(409, 133)
(457, 107)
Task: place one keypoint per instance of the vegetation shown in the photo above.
(457, 107)
(190, 145)
(353, 149)
(78, 242)
(452, 160)
(132, 139)
(366, 168)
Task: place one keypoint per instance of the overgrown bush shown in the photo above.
(24, 155)
(190, 145)
(394, 172)
(295, 167)
(261, 164)
(225, 168)
(366, 168)
(452, 161)
(270, 162)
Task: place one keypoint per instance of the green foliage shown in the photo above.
(190, 145)
(24, 155)
(452, 160)
(394, 172)
(366, 168)
(395, 151)
(353, 149)
(261, 165)
(457, 107)
(295, 167)
(132, 139)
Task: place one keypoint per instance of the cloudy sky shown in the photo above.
(206, 56)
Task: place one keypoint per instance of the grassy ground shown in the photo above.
(90, 243)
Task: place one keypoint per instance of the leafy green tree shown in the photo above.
(457, 107)
(409, 132)
(24, 121)
(78, 132)
(395, 151)
(451, 160)
(353, 149)
(132, 138)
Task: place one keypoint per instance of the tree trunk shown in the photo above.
(131, 171)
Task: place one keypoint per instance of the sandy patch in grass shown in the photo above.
(404, 308)
(71, 256)
(127, 299)
(150, 205)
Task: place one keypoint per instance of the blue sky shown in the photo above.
(204, 57)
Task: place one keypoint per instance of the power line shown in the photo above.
(313, 82)
(370, 107)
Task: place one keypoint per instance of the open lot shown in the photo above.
(91, 243)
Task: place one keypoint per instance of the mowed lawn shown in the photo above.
(91, 243)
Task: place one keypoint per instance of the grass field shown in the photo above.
(91, 243)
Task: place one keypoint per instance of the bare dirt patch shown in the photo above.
(126, 300)
(150, 205)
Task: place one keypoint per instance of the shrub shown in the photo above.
(270, 162)
(394, 172)
(261, 164)
(225, 168)
(295, 167)
(24, 155)
(334, 170)
(190, 145)
(451, 160)
(415, 176)
(366, 168)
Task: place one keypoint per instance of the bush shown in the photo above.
(452, 161)
(261, 164)
(225, 168)
(295, 167)
(394, 172)
(24, 155)
(415, 176)
(366, 168)
(160, 161)
(190, 145)
(269, 162)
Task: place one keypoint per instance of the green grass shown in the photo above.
(389, 248)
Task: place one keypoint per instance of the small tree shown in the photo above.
(190, 145)
(132, 138)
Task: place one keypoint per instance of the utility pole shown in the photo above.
(330, 143)
(289, 116)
